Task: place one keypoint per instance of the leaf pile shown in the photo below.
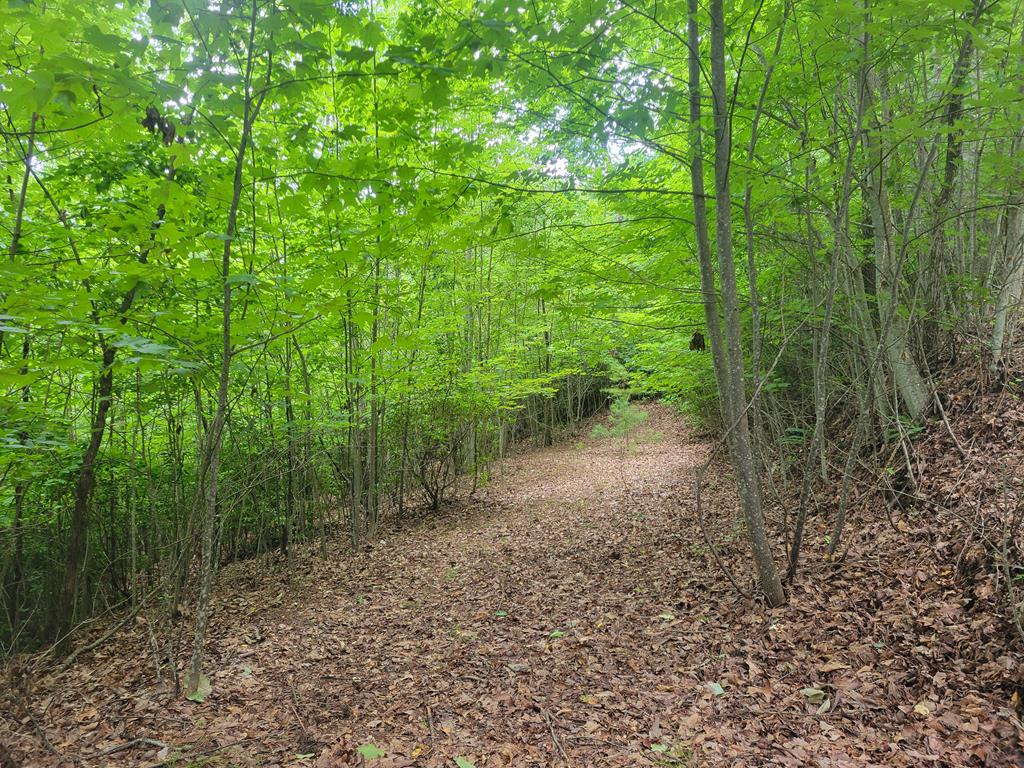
(566, 615)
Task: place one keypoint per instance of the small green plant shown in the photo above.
(697, 550)
(462, 635)
(671, 756)
(906, 426)
(202, 690)
(622, 422)
(794, 436)
(370, 752)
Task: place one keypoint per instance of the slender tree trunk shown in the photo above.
(14, 573)
(1011, 287)
(729, 359)
(206, 499)
(78, 533)
(102, 392)
(938, 259)
(548, 401)
(841, 249)
(744, 460)
(291, 451)
(14, 570)
(1010, 267)
(709, 291)
(860, 433)
(373, 457)
(748, 228)
(894, 330)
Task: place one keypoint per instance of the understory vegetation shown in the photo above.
(280, 272)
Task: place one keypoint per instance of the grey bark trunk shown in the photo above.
(206, 497)
(729, 354)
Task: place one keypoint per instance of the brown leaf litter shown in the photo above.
(567, 614)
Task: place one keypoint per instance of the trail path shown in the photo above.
(565, 615)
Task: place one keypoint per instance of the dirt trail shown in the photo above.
(567, 614)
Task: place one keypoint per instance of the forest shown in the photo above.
(484, 383)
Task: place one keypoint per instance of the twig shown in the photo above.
(554, 737)
(1016, 607)
(295, 709)
(703, 528)
(942, 413)
(430, 723)
(41, 733)
(63, 666)
(129, 745)
(205, 753)
(97, 642)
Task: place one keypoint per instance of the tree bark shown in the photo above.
(13, 573)
(894, 329)
(727, 349)
(206, 496)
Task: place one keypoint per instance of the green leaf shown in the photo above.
(203, 689)
(814, 695)
(43, 88)
(464, 762)
(15, 379)
(242, 279)
(370, 751)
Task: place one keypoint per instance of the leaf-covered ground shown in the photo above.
(568, 614)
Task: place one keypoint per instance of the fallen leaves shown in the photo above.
(558, 612)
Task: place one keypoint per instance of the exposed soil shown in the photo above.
(567, 614)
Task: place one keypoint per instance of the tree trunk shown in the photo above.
(13, 574)
(841, 248)
(894, 329)
(206, 496)
(1011, 288)
(729, 357)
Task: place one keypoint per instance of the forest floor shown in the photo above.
(567, 614)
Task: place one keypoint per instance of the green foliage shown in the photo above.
(202, 690)
(623, 421)
(449, 240)
(681, 377)
(370, 752)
